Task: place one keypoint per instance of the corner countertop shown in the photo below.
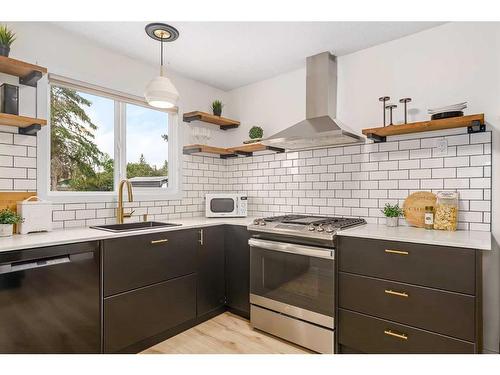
(464, 239)
(461, 238)
(73, 235)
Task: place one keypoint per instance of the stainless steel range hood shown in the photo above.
(320, 128)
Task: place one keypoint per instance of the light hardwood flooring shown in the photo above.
(224, 334)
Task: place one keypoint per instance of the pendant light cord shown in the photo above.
(161, 56)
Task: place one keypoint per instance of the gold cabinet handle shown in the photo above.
(159, 241)
(394, 293)
(399, 252)
(401, 336)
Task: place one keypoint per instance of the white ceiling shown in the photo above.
(228, 55)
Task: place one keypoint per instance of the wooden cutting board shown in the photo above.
(414, 207)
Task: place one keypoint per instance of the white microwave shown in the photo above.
(226, 205)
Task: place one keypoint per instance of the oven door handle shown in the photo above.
(285, 247)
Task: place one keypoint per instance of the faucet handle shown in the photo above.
(129, 214)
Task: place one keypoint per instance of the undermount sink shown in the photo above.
(133, 226)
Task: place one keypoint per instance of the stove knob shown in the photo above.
(330, 229)
(257, 221)
(320, 228)
(311, 227)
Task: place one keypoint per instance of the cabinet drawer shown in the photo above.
(134, 316)
(448, 313)
(372, 335)
(434, 266)
(136, 261)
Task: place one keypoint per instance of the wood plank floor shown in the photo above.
(224, 334)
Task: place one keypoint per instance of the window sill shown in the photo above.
(108, 197)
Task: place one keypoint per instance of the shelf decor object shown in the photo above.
(383, 99)
(224, 153)
(224, 123)
(160, 91)
(473, 123)
(28, 74)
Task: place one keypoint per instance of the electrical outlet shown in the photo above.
(441, 148)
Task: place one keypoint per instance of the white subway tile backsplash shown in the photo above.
(346, 181)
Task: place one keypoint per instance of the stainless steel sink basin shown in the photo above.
(134, 226)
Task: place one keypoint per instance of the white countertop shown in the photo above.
(469, 239)
(64, 236)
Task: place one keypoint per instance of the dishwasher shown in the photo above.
(50, 299)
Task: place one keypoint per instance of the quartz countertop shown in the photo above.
(73, 235)
(461, 238)
(465, 239)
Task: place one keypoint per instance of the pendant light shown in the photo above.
(161, 92)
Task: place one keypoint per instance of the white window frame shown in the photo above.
(173, 191)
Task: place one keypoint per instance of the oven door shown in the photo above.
(292, 279)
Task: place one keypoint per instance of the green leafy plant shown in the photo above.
(392, 211)
(7, 36)
(217, 107)
(7, 216)
(256, 132)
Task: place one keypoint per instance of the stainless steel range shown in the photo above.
(292, 282)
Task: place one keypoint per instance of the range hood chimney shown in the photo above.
(320, 128)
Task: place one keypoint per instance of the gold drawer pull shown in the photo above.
(394, 293)
(401, 336)
(399, 252)
(159, 241)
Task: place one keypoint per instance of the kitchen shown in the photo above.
(281, 241)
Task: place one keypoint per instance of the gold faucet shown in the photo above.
(120, 215)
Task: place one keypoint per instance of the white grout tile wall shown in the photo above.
(360, 180)
(343, 181)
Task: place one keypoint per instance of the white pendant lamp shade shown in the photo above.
(161, 92)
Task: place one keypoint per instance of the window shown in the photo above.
(98, 137)
(147, 147)
(82, 141)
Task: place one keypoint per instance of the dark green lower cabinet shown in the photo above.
(211, 285)
(237, 270)
(139, 314)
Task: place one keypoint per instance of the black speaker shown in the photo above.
(9, 99)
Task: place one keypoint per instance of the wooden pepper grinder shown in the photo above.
(383, 99)
(405, 101)
(390, 107)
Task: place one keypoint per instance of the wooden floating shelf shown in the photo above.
(474, 123)
(26, 125)
(224, 123)
(28, 74)
(224, 153)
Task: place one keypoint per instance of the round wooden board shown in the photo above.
(414, 207)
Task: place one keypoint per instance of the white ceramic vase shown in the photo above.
(6, 230)
(392, 221)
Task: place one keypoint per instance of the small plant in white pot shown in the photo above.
(392, 214)
(7, 220)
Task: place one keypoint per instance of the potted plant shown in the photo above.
(392, 213)
(217, 107)
(7, 37)
(256, 133)
(7, 220)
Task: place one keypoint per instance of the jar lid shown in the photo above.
(429, 208)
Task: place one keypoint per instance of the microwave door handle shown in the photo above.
(291, 248)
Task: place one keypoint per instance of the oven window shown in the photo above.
(222, 205)
(302, 281)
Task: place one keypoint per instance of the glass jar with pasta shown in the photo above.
(446, 213)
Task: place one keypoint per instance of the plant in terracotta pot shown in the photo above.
(7, 220)
(392, 214)
(217, 107)
(7, 37)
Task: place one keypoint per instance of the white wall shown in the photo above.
(447, 64)
(76, 57)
